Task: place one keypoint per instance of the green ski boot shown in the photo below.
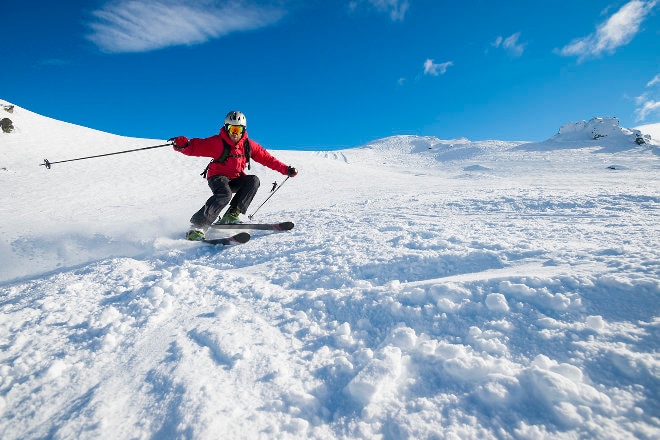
(230, 217)
(195, 235)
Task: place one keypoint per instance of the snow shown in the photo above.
(430, 289)
(652, 130)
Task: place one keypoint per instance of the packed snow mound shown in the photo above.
(412, 144)
(421, 151)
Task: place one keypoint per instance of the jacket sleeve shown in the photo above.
(207, 147)
(259, 154)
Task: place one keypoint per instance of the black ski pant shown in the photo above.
(222, 187)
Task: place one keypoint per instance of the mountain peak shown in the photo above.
(598, 128)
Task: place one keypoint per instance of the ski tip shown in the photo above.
(239, 238)
(285, 226)
(242, 237)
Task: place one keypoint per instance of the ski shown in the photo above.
(240, 238)
(283, 226)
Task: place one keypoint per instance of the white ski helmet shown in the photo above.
(235, 118)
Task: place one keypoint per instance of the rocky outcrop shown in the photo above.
(7, 125)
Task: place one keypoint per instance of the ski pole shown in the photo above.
(48, 163)
(271, 195)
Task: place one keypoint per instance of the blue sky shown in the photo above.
(325, 74)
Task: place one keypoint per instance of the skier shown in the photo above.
(231, 152)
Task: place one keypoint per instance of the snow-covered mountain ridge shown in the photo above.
(597, 132)
(430, 289)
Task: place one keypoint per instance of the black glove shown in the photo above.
(292, 172)
(179, 142)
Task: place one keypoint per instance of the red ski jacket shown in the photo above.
(235, 164)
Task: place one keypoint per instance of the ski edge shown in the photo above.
(282, 226)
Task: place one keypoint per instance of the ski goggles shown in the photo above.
(235, 129)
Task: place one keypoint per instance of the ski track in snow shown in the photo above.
(430, 289)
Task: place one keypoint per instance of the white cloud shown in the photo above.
(646, 103)
(430, 68)
(145, 25)
(617, 31)
(511, 44)
(395, 8)
(646, 109)
(654, 81)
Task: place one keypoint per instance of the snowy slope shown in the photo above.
(430, 289)
(652, 130)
